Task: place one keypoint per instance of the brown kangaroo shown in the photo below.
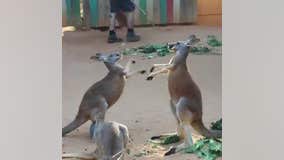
(103, 94)
(186, 100)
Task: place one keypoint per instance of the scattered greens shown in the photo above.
(170, 139)
(149, 51)
(166, 139)
(208, 148)
(213, 42)
(200, 49)
(217, 125)
(160, 50)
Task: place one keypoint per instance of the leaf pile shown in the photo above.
(167, 139)
(213, 42)
(170, 139)
(208, 148)
(149, 51)
(160, 50)
(217, 125)
(201, 49)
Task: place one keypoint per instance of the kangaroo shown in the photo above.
(185, 95)
(104, 93)
(111, 139)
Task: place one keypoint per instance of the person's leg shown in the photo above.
(114, 8)
(128, 7)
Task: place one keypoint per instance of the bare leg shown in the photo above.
(79, 120)
(112, 21)
(112, 35)
(131, 36)
(130, 20)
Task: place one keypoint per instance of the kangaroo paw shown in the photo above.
(152, 69)
(143, 71)
(150, 78)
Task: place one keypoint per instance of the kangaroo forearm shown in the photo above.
(128, 64)
(130, 74)
(163, 70)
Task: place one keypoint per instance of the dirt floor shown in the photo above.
(144, 105)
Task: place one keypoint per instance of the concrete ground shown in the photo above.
(144, 105)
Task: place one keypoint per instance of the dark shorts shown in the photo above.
(121, 5)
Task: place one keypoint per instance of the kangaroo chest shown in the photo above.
(114, 89)
(180, 85)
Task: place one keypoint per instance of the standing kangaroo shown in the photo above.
(186, 100)
(111, 139)
(103, 94)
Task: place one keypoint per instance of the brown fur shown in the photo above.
(186, 99)
(103, 94)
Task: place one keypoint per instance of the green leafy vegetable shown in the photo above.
(212, 41)
(217, 125)
(171, 139)
(149, 51)
(208, 148)
(166, 139)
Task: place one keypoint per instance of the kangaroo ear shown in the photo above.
(192, 39)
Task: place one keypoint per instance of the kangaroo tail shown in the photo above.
(77, 122)
(199, 127)
(85, 156)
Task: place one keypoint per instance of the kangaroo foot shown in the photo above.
(172, 150)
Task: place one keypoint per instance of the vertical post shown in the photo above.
(143, 6)
(94, 10)
(170, 10)
(163, 11)
(86, 14)
(73, 12)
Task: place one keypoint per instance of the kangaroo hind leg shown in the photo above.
(184, 116)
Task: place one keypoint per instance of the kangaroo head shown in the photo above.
(182, 48)
(110, 60)
(107, 58)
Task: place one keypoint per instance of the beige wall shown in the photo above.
(209, 12)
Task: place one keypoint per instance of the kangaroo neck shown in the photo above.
(181, 66)
(114, 69)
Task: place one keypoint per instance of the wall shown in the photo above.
(209, 12)
(158, 12)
